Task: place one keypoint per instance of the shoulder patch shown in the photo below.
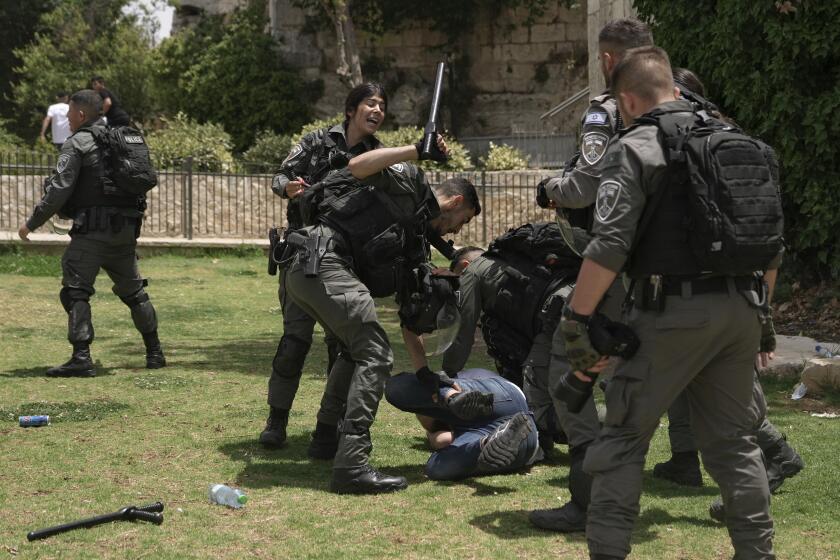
(607, 200)
(398, 168)
(596, 118)
(593, 145)
(62, 162)
(295, 151)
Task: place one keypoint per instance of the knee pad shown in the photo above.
(68, 296)
(289, 358)
(79, 324)
(135, 299)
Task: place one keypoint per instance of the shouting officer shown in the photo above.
(104, 235)
(695, 311)
(317, 154)
(372, 227)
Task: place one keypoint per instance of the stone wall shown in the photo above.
(516, 72)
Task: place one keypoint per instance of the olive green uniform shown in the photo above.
(343, 305)
(103, 236)
(703, 343)
(310, 160)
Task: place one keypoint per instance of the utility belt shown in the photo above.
(106, 218)
(308, 244)
(649, 293)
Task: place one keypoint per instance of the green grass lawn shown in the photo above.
(133, 436)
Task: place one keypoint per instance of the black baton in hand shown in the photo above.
(149, 513)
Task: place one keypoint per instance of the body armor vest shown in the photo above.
(89, 189)
(383, 241)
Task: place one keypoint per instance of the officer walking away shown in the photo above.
(696, 310)
(317, 154)
(371, 232)
(104, 233)
(56, 119)
(683, 467)
(111, 107)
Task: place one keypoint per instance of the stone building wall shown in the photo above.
(516, 72)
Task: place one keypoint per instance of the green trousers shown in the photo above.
(704, 345)
(339, 301)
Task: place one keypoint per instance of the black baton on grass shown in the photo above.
(149, 513)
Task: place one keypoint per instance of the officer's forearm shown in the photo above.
(415, 348)
(593, 281)
(575, 190)
(770, 277)
(374, 161)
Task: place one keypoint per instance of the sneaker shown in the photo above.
(365, 480)
(499, 449)
(324, 444)
(274, 434)
(570, 518)
(681, 468)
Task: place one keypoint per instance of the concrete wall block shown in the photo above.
(547, 33)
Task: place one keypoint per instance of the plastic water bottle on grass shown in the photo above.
(226, 496)
(826, 353)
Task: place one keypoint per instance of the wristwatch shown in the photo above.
(570, 315)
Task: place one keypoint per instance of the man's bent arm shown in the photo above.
(416, 349)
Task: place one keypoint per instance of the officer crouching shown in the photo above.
(371, 231)
(106, 224)
(697, 327)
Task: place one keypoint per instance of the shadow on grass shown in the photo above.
(242, 355)
(41, 371)
(514, 524)
(666, 489)
(479, 487)
(292, 468)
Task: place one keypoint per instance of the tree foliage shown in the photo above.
(208, 144)
(775, 68)
(231, 74)
(77, 40)
(503, 157)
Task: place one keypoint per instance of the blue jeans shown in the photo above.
(459, 460)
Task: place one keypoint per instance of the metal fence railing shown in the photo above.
(191, 204)
(545, 150)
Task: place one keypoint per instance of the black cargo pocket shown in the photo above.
(624, 390)
(349, 204)
(386, 246)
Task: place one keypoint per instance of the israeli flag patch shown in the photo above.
(596, 118)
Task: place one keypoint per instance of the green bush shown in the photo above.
(267, 153)
(504, 158)
(208, 144)
(232, 74)
(459, 156)
(8, 141)
(772, 67)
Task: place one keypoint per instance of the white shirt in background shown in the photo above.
(60, 124)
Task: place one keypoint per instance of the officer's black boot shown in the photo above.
(324, 442)
(782, 462)
(682, 468)
(499, 449)
(154, 353)
(365, 480)
(79, 364)
(571, 517)
(274, 434)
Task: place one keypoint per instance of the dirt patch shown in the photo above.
(813, 312)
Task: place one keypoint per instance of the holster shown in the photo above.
(274, 239)
(313, 247)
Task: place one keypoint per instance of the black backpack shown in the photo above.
(128, 163)
(538, 260)
(735, 220)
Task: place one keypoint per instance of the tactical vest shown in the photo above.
(717, 209)
(383, 242)
(538, 263)
(89, 191)
(317, 168)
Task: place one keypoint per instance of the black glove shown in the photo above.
(767, 343)
(433, 381)
(434, 154)
(542, 195)
(470, 405)
(611, 338)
